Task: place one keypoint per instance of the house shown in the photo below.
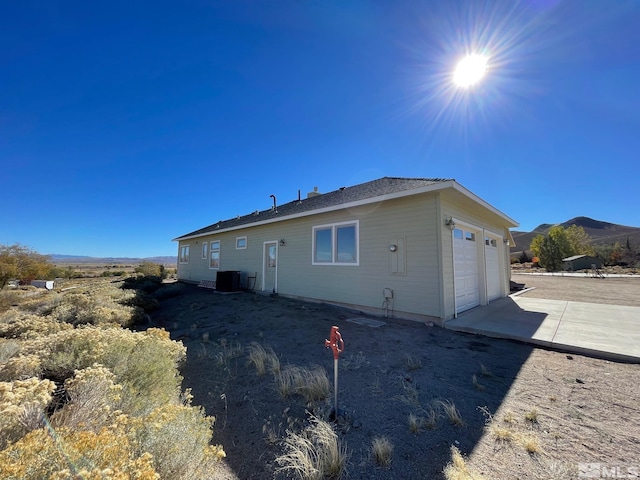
(419, 247)
(580, 262)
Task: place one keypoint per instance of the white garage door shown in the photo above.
(493, 267)
(465, 257)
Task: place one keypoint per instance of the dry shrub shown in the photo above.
(20, 367)
(144, 363)
(7, 299)
(93, 397)
(313, 384)
(103, 303)
(314, 454)
(382, 448)
(457, 469)
(8, 348)
(16, 398)
(26, 325)
(66, 454)
(177, 436)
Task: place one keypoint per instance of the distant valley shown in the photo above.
(77, 260)
(601, 233)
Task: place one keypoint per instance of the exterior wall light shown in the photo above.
(393, 248)
(282, 242)
(451, 225)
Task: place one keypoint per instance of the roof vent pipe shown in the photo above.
(274, 208)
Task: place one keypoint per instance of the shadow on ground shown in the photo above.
(386, 374)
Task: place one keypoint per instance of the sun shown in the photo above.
(470, 70)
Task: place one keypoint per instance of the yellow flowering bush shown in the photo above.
(118, 413)
(27, 325)
(15, 398)
(144, 363)
(177, 436)
(66, 454)
(20, 367)
(93, 398)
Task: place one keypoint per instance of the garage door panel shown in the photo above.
(467, 285)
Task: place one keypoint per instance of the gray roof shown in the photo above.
(344, 195)
(575, 257)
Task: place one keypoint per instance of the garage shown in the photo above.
(466, 275)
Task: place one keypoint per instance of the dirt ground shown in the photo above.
(527, 413)
(613, 290)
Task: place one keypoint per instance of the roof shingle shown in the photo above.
(344, 195)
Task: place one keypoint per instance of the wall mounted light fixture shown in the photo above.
(451, 225)
(393, 248)
(282, 242)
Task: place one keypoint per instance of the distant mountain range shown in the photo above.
(601, 233)
(77, 259)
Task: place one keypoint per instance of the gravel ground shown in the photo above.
(613, 291)
(526, 413)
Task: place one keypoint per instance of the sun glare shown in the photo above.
(470, 70)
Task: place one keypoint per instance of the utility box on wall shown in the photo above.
(228, 281)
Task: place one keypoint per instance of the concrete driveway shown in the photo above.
(599, 330)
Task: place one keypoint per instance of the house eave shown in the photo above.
(377, 199)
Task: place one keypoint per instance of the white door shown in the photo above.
(492, 260)
(465, 258)
(270, 267)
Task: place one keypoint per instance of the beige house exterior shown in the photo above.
(413, 248)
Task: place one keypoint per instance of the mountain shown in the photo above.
(601, 233)
(78, 259)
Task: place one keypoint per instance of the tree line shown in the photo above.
(18, 262)
(559, 242)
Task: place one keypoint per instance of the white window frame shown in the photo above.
(213, 249)
(205, 250)
(334, 243)
(238, 240)
(184, 254)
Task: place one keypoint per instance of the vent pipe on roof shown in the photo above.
(315, 193)
(274, 208)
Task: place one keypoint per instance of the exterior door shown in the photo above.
(465, 257)
(270, 267)
(492, 260)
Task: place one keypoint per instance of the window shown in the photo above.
(336, 244)
(490, 242)
(205, 250)
(241, 243)
(184, 254)
(214, 262)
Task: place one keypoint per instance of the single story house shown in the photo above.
(580, 262)
(422, 248)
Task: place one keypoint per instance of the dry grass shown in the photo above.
(315, 453)
(530, 442)
(382, 448)
(452, 412)
(263, 358)
(313, 384)
(457, 469)
(413, 362)
(419, 422)
(532, 415)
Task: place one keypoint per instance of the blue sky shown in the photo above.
(126, 124)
